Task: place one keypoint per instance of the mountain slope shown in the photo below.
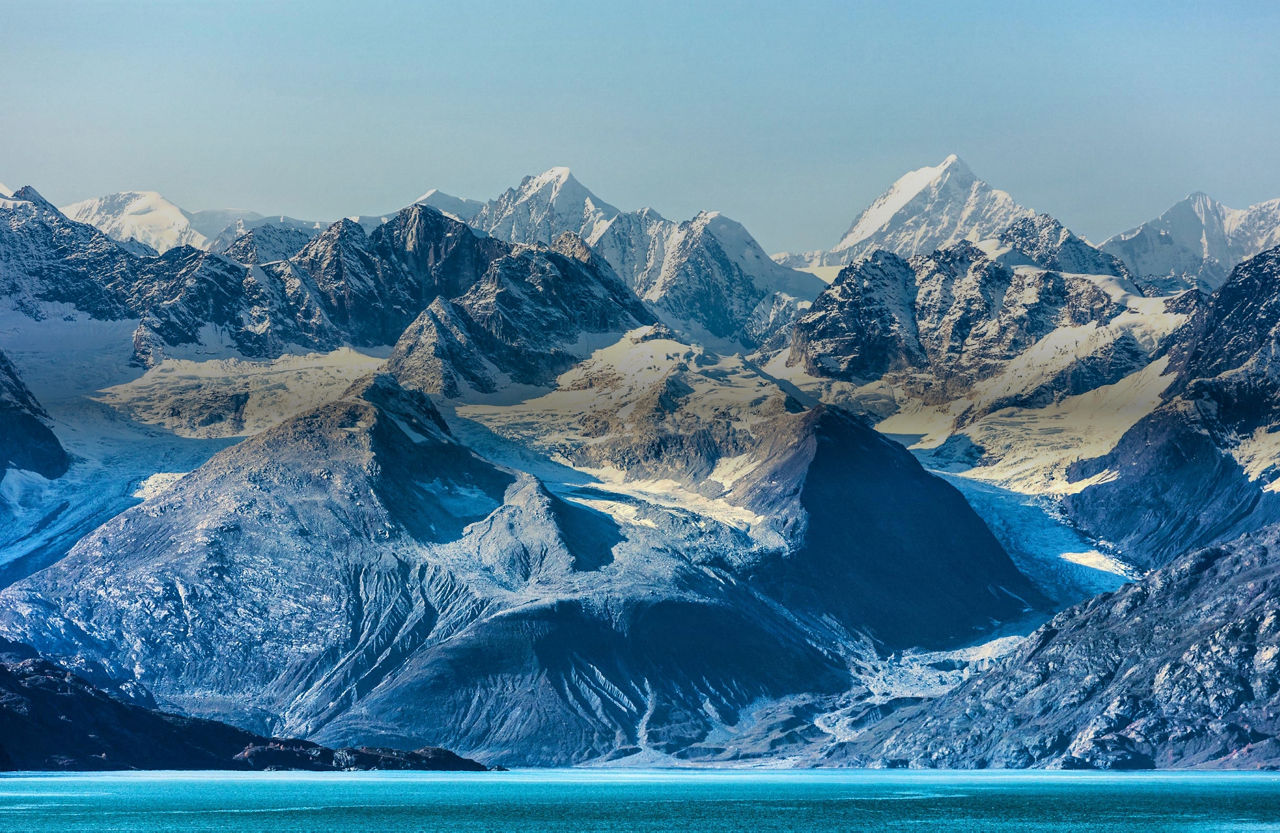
(343, 286)
(467, 604)
(1202, 466)
(521, 322)
(1176, 670)
(926, 209)
(1026, 319)
(49, 258)
(51, 719)
(401, 594)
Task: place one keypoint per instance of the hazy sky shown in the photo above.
(788, 116)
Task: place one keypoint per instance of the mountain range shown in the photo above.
(547, 482)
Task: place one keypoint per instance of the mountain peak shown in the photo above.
(460, 208)
(559, 175)
(28, 194)
(145, 216)
(953, 163)
(556, 179)
(544, 205)
(930, 207)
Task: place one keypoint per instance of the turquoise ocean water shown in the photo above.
(651, 800)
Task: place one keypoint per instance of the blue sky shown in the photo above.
(788, 117)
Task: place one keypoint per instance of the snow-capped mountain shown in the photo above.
(543, 207)
(1001, 372)
(263, 242)
(269, 238)
(707, 273)
(572, 484)
(212, 222)
(971, 329)
(1197, 242)
(343, 286)
(148, 218)
(144, 216)
(5, 190)
(926, 209)
(459, 208)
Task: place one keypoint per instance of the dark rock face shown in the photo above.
(863, 325)
(46, 257)
(26, 442)
(518, 322)
(864, 568)
(1179, 669)
(1195, 470)
(938, 325)
(51, 719)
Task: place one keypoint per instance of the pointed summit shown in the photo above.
(28, 194)
(544, 206)
(558, 176)
(929, 208)
(925, 210)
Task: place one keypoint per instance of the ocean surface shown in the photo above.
(630, 800)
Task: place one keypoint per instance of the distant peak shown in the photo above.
(1200, 198)
(953, 164)
(28, 194)
(343, 228)
(552, 176)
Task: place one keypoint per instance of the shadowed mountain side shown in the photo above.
(26, 442)
(865, 567)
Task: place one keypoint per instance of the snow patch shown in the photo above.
(158, 484)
